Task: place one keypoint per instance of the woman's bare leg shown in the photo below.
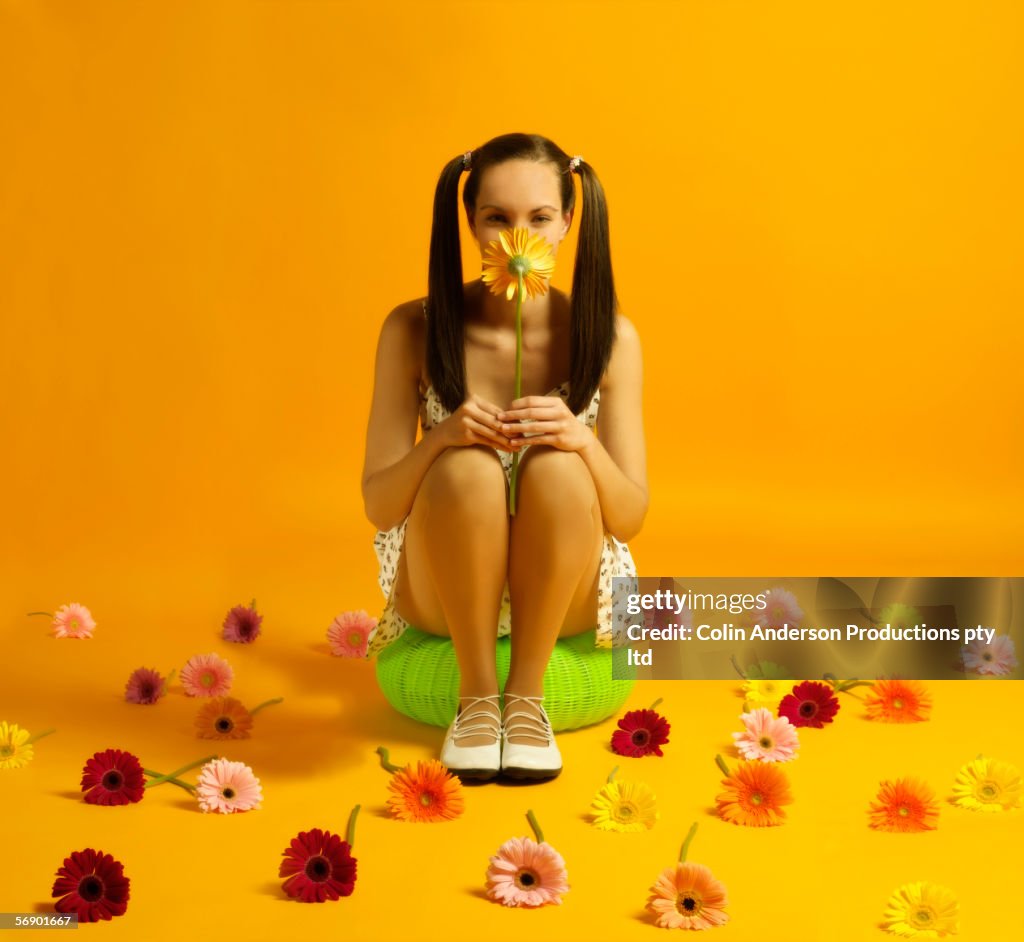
(554, 561)
(453, 565)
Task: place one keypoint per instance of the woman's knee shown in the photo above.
(559, 479)
(467, 471)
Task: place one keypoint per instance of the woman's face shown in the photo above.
(523, 194)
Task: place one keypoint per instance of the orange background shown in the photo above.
(206, 211)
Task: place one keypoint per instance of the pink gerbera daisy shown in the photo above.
(227, 786)
(768, 738)
(144, 686)
(997, 658)
(781, 609)
(206, 675)
(242, 624)
(525, 873)
(73, 621)
(349, 633)
(810, 703)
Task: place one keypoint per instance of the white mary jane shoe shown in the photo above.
(473, 762)
(536, 759)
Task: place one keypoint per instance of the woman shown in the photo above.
(453, 561)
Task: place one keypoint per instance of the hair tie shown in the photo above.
(575, 163)
(467, 160)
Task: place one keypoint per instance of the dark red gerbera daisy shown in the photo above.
(641, 733)
(113, 777)
(319, 866)
(92, 884)
(810, 703)
(242, 624)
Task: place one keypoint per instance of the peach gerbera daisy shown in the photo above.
(73, 621)
(227, 787)
(781, 608)
(525, 873)
(754, 794)
(997, 658)
(518, 254)
(687, 896)
(206, 675)
(906, 805)
(922, 909)
(987, 785)
(349, 633)
(428, 792)
(898, 701)
(767, 737)
(223, 718)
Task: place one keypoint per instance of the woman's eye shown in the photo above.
(538, 219)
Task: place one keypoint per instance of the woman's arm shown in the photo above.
(395, 463)
(617, 456)
(394, 466)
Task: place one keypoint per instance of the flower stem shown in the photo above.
(385, 762)
(40, 613)
(350, 831)
(739, 670)
(538, 833)
(252, 605)
(720, 762)
(519, 392)
(35, 736)
(611, 775)
(686, 843)
(174, 781)
(170, 676)
(656, 702)
(265, 703)
(163, 778)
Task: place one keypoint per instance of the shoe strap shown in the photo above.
(464, 728)
(539, 727)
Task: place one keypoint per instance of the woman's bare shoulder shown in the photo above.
(403, 336)
(625, 358)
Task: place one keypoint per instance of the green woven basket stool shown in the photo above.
(419, 676)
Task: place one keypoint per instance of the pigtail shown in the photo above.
(445, 354)
(594, 303)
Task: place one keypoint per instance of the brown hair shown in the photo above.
(594, 303)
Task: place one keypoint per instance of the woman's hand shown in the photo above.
(544, 420)
(475, 422)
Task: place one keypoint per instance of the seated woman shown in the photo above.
(454, 562)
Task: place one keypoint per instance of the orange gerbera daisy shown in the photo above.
(898, 701)
(754, 794)
(906, 805)
(223, 718)
(428, 792)
(518, 253)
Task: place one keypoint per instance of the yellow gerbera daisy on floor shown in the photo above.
(517, 253)
(923, 910)
(765, 693)
(14, 749)
(987, 785)
(624, 806)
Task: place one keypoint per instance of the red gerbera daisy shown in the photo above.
(92, 884)
(242, 624)
(113, 777)
(811, 703)
(319, 866)
(641, 733)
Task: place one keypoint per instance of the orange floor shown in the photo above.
(824, 875)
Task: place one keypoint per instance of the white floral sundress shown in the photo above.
(616, 559)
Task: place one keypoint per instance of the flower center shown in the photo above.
(355, 638)
(526, 879)
(765, 742)
(903, 811)
(687, 905)
(224, 724)
(519, 265)
(148, 690)
(988, 791)
(625, 811)
(207, 679)
(6, 750)
(227, 792)
(897, 704)
(986, 656)
(923, 917)
(112, 780)
(90, 888)
(74, 623)
(641, 737)
(808, 708)
(318, 868)
(426, 799)
(757, 798)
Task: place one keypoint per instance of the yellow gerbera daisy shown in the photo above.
(14, 749)
(765, 693)
(987, 785)
(517, 253)
(624, 806)
(922, 909)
